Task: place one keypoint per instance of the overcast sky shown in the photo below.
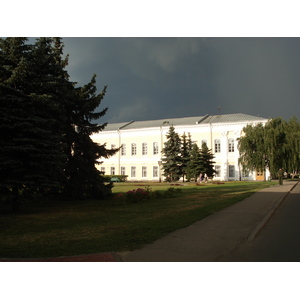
(157, 78)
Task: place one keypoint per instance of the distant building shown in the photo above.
(140, 156)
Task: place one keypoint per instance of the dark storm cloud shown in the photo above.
(153, 78)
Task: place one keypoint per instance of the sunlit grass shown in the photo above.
(61, 228)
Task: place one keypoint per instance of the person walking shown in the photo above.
(200, 177)
(205, 177)
(280, 176)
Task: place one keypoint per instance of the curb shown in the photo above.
(268, 216)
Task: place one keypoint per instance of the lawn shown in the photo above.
(62, 228)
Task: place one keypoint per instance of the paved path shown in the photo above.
(211, 238)
(278, 241)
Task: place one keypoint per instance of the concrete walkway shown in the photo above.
(217, 234)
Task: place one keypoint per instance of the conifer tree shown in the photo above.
(84, 154)
(185, 154)
(207, 160)
(195, 164)
(172, 162)
(31, 160)
(46, 123)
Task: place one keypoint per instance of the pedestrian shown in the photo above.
(205, 177)
(200, 177)
(280, 176)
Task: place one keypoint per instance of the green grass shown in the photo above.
(62, 228)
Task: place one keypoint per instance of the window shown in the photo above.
(112, 171)
(133, 171)
(102, 169)
(123, 149)
(144, 149)
(231, 171)
(123, 171)
(155, 171)
(218, 170)
(144, 171)
(155, 148)
(133, 149)
(231, 145)
(217, 146)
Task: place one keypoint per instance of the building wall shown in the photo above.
(146, 163)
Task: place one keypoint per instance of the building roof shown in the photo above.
(206, 119)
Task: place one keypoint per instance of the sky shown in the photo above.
(171, 77)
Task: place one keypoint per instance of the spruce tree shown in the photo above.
(31, 161)
(172, 162)
(84, 154)
(46, 123)
(207, 160)
(195, 165)
(185, 155)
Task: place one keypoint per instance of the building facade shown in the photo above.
(141, 144)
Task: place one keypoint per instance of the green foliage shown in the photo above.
(273, 146)
(172, 161)
(184, 158)
(195, 165)
(46, 123)
(207, 161)
(144, 194)
(186, 147)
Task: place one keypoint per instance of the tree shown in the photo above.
(253, 150)
(186, 147)
(46, 123)
(195, 165)
(207, 160)
(84, 154)
(31, 160)
(293, 146)
(275, 133)
(271, 146)
(172, 162)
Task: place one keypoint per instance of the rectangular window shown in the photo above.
(218, 170)
(133, 149)
(144, 149)
(112, 171)
(231, 171)
(155, 148)
(144, 171)
(123, 149)
(231, 145)
(123, 171)
(102, 169)
(133, 171)
(155, 171)
(217, 146)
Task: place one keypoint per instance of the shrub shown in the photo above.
(141, 195)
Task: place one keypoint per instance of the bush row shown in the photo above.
(141, 195)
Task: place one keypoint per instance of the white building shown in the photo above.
(142, 142)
